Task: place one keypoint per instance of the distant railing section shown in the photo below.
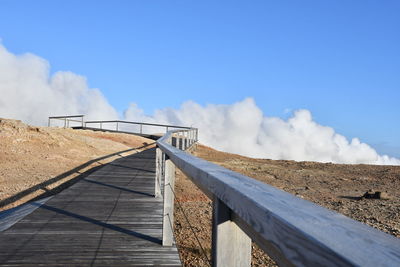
(139, 128)
(67, 120)
(291, 230)
(120, 126)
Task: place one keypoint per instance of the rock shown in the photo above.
(383, 195)
(371, 194)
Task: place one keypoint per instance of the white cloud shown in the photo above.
(29, 93)
(242, 128)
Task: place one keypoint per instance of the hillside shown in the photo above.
(38, 160)
(335, 186)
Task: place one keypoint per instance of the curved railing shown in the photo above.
(292, 231)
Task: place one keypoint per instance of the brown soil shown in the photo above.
(36, 160)
(335, 186)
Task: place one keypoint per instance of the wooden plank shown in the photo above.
(291, 230)
(102, 220)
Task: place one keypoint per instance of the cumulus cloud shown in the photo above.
(29, 93)
(243, 128)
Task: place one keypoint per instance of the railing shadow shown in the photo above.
(59, 188)
(132, 168)
(118, 188)
(102, 224)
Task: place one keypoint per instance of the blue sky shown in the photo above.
(338, 59)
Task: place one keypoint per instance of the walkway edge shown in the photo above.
(11, 216)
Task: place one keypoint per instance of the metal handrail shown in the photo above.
(141, 123)
(291, 230)
(62, 117)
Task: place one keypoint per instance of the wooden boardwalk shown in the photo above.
(109, 218)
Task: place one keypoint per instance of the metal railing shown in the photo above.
(117, 125)
(67, 120)
(292, 231)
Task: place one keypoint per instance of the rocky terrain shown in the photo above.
(338, 187)
(39, 160)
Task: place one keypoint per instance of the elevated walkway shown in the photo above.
(110, 218)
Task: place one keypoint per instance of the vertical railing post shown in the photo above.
(141, 128)
(117, 126)
(183, 141)
(178, 141)
(230, 245)
(82, 121)
(186, 145)
(168, 213)
(173, 141)
(48, 124)
(159, 172)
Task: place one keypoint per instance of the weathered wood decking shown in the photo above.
(110, 218)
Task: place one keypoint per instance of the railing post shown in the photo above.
(82, 121)
(230, 245)
(180, 142)
(159, 172)
(117, 126)
(185, 140)
(168, 214)
(141, 128)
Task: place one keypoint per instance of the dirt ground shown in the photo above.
(39, 160)
(333, 186)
